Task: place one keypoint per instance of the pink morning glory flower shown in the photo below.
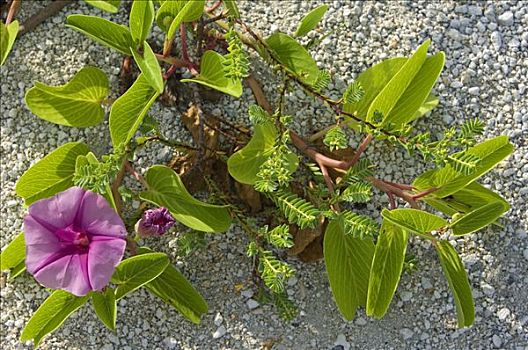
(74, 241)
(154, 222)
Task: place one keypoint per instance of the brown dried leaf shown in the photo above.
(302, 238)
(314, 251)
(249, 196)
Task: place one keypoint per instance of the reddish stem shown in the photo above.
(183, 35)
(214, 7)
(400, 186)
(12, 10)
(361, 149)
(424, 193)
(135, 174)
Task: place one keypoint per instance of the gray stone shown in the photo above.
(220, 332)
(496, 40)
(342, 341)
(503, 313)
(406, 333)
(475, 90)
(497, 341)
(506, 19)
(252, 304)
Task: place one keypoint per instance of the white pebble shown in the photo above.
(220, 332)
(252, 304)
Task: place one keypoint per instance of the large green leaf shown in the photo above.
(458, 282)
(103, 31)
(311, 20)
(490, 152)
(8, 34)
(212, 75)
(173, 13)
(52, 174)
(51, 315)
(417, 92)
(387, 99)
(174, 289)
(244, 164)
(479, 218)
(429, 104)
(386, 269)
(129, 109)
(348, 260)
(105, 306)
(77, 103)
(106, 5)
(149, 66)
(13, 256)
(294, 57)
(414, 220)
(166, 189)
(141, 18)
(137, 271)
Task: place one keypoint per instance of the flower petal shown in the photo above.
(97, 218)
(58, 211)
(65, 273)
(41, 244)
(104, 255)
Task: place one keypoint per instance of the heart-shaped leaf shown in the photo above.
(166, 189)
(173, 13)
(52, 174)
(212, 75)
(77, 103)
(105, 306)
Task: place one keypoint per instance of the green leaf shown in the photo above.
(138, 270)
(490, 152)
(8, 34)
(129, 109)
(296, 209)
(386, 270)
(417, 93)
(52, 174)
(149, 66)
(311, 20)
(348, 262)
(141, 18)
(479, 218)
(212, 75)
(387, 99)
(173, 13)
(174, 289)
(294, 57)
(429, 104)
(51, 315)
(166, 189)
(458, 282)
(105, 306)
(77, 103)
(414, 220)
(232, 8)
(110, 34)
(106, 5)
(463, 162)
(245, 164)
(13, 256)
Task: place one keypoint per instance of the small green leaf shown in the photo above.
(490, 152)
(77, 103)
(388, 97)
(138, 270)
(386, 270)
(174, 289)
(106, 5)
(458, 282)
(51, 315)
(105, 306)
(429, 104)
(348, 262)
(245, 164)
(52, 174)
(232, 8)
(113, 35)
(14, 256)
(212, 75)
(129, 109)
(311, 20)
(294, 57)
(414, 220)
(479, 218)
(149, 66)
(141, 18)
(173, 13)
(166, 189)
(8, 34)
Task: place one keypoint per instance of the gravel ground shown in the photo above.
(486, 45)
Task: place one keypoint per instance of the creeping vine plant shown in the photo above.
(312, 188)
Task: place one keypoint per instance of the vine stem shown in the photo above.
(213, 7)
(12, 11)
(135, 174)
(43, 14)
